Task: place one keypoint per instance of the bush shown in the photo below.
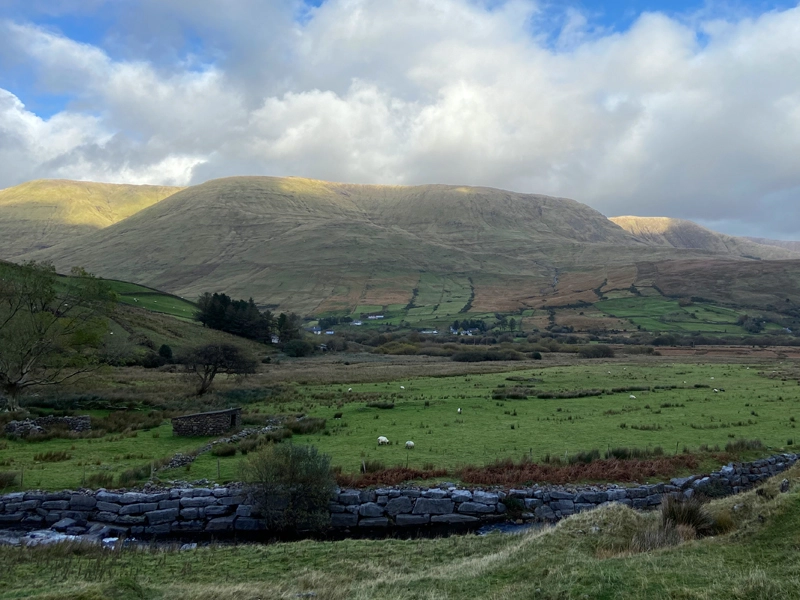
(596, 351)
(380, 404)
(223, 450)
(691, 513)
(291, 486)
(297, 348)
(744, 445)
(8, 479)
(165, 352)
(134, 475)
(51, 456)
(306, 425)
(100, 480)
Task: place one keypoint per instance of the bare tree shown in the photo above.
(206, 362)
(50, 326)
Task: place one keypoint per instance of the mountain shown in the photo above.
(679, 233)
(793, 246)
(424, 252)
(39, 214)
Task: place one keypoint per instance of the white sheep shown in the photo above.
(409, 445)
(349, 389)
(402, 387)
(459, 411)
(715, 390)
(382, 440)
(632, 397)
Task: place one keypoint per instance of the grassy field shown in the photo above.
(153, 300)
(590, 555)
(757, 403)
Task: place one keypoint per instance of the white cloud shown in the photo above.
(649, 121)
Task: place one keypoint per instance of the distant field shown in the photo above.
(662, 314)
(154, 300)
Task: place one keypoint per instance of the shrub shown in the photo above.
(305, 426)
(381, 405)
(165, 352)
(297, 348)
(291, 486)
(372, 466)
(51, 456)
(100, 480)
(688, 512)
(223, 450)
(536, 355)
(744, 445)
(134, 475)
(250, 444)
(8, 479)
(596, 351)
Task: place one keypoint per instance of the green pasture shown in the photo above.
(111, 454)
(489, 429)
(660, 314)
(755, 404)
(153, 300)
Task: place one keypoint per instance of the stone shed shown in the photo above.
(217, 422)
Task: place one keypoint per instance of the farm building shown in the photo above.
(209, 423)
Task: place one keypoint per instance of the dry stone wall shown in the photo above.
(42, 424)
(226, 511)
(205, 424)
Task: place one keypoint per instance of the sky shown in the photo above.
(686, 108)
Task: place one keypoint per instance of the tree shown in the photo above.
(291, 486)
(206, 362)
(239, 317)
(50, 327)
(288, 327)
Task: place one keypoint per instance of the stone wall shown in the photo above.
(222, 511)
(205, 424)
(42, 424)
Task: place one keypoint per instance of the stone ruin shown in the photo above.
(217, 422)
(43, 424)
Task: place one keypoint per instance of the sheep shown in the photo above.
(402, 387)
(382, 440)
(349, 389)
(632, 397)
(715, 390)
(409, 445)
(459, 411)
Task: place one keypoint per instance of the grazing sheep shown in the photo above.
(715, 390)
(402, 387)
(632, 397)
(459, 411)
(349, 389)
(409, 445)
(382, 440)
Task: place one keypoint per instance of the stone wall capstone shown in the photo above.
(221, 511)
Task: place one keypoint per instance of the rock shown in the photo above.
(591, 498)
(562, 505)
(366, 496)
(349, 498)
(431, 506)
(108, 507)
(161, 529)
(197, 502)
(55, 504)
(545, 513)
(485, 497)
(82, 502)
(218, 511)
(63, 524)
(411, 520)
(374, 522)
(475, 508)
(169, 504)
(11, 519)
(411, 493)
(784, 486)
(190, 513)
(138, 509)
(130, 520)
(162, 516)
(453, 519)
(244, 510)
(370, 509)
(461, 496)
(532, 503)
(106, 517)
(344, 520)
(434, 493)
(220, 524)
(558, 495)
(401, 505)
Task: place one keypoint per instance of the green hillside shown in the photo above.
(41, 213)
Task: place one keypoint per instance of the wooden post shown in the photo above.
(218, 470)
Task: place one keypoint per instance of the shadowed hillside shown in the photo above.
(679, 233)
(39, 214)
(793, 246)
